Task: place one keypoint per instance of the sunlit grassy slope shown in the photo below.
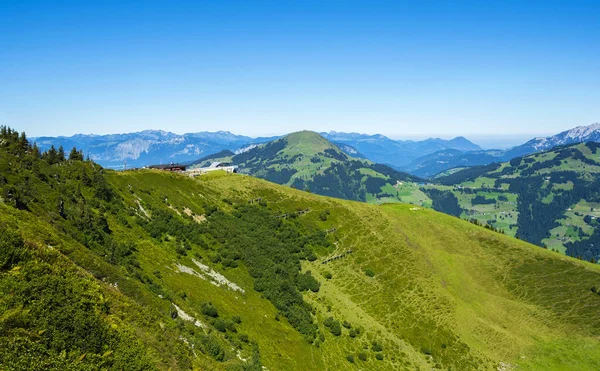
(444, 293)
(143, 269)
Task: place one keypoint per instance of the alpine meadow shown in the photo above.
(148, 269)
(299, 185)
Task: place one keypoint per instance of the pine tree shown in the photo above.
(52, 155)
(75, 155)
(24, 145)
(35, 151)
(61, 154)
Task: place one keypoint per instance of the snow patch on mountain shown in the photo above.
(581, 132)
(575, 135)
(245, 149)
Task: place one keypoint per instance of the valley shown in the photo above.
(549, 198)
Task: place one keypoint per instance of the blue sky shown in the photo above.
(406, 69)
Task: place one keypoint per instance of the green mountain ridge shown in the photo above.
(550, 198)
(147, 269)
(306, 160)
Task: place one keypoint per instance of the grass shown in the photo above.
(482, 294)
(443, 292)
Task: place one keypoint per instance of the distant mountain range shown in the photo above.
(424, 158)
(159, 147)
(397, 153)
(437, 162)
(149, 146)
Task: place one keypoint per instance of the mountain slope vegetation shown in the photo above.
(231, 272)
(550, 198)
(306, 160)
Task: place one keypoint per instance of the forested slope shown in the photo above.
(551, 198)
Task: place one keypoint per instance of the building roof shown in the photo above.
(168, 167)
(218, 164)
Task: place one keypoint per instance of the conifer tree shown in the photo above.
(52, 155)
(75, 155)
(24, 145)
(61, 154)
(35, 151)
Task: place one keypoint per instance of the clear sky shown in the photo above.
(399, 68)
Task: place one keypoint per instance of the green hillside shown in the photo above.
(147, 269)
(550, 198)
(307, 161)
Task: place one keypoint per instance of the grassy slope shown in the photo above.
(309, 144)
(126, 316)
(506, 213)
(281, 347)
(311, 161)
(444, 293)
(487, 297)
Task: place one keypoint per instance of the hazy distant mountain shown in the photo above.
(149, 146)
(157, 146)
(422, 158)
(397, 153)
(580, 134)
(434, 163)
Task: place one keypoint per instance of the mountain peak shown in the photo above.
(589, 133)
(308, 142)
(583, 131)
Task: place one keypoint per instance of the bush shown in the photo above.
(350, 358)
(369, 272)
(362, 356)
(220, 325)
(333, 326)
(352, 333)
(328, 275)
(376, 347)
(209, 310)
(11, 249)
(379, 356)
(210, 345)
(305, 281)
(346, 324)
